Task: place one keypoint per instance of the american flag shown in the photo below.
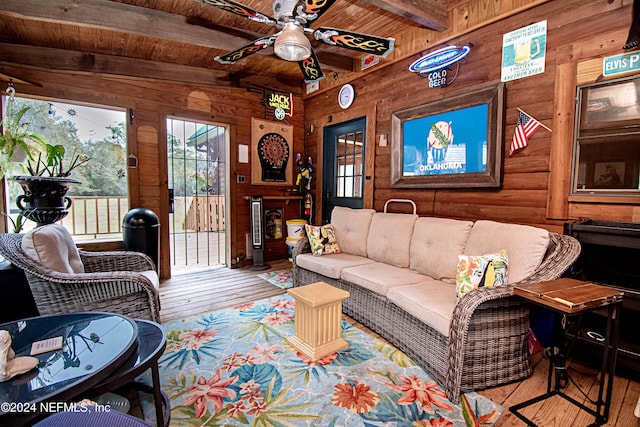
(525, 127)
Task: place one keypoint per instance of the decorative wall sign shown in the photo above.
(271, 145)
(280, 104)
(434, 65)
(450, 143)
(524, 51)
(368, 61)
(620, 64)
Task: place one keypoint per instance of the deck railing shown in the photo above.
(96, 216)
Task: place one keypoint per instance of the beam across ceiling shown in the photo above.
(429, 13)
(128, 19)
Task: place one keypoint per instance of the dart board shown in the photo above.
(273, 151)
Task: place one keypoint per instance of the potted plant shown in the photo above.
(17, 142)
(45, 199)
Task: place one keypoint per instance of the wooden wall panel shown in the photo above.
(528, 176)
(151, 103)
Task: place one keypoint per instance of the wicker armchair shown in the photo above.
(112, 282)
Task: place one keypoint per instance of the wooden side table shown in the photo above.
(567, 297)
(318, 319)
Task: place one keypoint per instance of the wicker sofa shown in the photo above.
(400, 272)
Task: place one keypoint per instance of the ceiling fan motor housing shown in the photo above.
(283, 11)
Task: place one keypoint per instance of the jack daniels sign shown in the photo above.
(278, 104)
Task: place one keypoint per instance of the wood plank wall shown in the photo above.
(532, 192)
(152, 102)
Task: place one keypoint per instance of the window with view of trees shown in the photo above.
(101, 200)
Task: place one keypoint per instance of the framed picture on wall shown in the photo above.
(450, 143)
(273, 223)
(271, 153)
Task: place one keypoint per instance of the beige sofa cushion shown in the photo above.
(436, 244)
(352, 229)
(330, 265)
(390, 238)
(379, 277)
(53, 247)
(430, 301)
(525, 245)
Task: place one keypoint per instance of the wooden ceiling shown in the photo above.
(177, 40)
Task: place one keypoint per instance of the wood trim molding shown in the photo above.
(561, 142)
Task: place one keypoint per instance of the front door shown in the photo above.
(343, 173)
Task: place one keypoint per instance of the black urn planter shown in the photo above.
(45, 198)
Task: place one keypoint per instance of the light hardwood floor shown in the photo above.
(186, 295)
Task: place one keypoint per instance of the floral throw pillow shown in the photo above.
(322, 239)
(478, 271)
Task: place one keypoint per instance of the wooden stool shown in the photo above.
(318, 319)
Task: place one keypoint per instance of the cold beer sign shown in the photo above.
(435, 65)
(619, 64)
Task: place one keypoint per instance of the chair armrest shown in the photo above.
(110, 286)
(95, 262)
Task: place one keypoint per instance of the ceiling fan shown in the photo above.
(292, 18)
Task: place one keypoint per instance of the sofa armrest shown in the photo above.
(561, 253)
(302, 247)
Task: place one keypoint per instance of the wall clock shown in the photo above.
(346, 96)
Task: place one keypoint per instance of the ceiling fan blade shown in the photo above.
(310, 68)
(240, 9)
(246, 50)
(380, 46)
(312, 9)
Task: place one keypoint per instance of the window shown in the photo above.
(606, 156)
(100, 201)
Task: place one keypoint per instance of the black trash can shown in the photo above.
(141, 233)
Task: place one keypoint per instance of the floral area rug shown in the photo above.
(233, 367)
(281, 278)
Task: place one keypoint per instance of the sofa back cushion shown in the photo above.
(436, 244)
(390, 238)
(351, 228)
(53, 247)
(525, 245)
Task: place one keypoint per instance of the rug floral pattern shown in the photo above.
(234, 368)
(281, 278)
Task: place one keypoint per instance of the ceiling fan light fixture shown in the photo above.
(292, 44)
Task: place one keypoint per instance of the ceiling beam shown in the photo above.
(429, 13)
(68, 60)
(97, 64)
(141, 21)
(120, 17)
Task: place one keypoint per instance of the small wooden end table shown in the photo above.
(318, 319)
(567, 297)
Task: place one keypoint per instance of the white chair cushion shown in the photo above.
(53, 247)
(153, 276)
(525, 245)
(430, 301)
(379, 277)
(436, 244)
(330, 265)
(390, 238)
(351, 227)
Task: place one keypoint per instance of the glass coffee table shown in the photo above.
(152, 342)
(94, 346)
